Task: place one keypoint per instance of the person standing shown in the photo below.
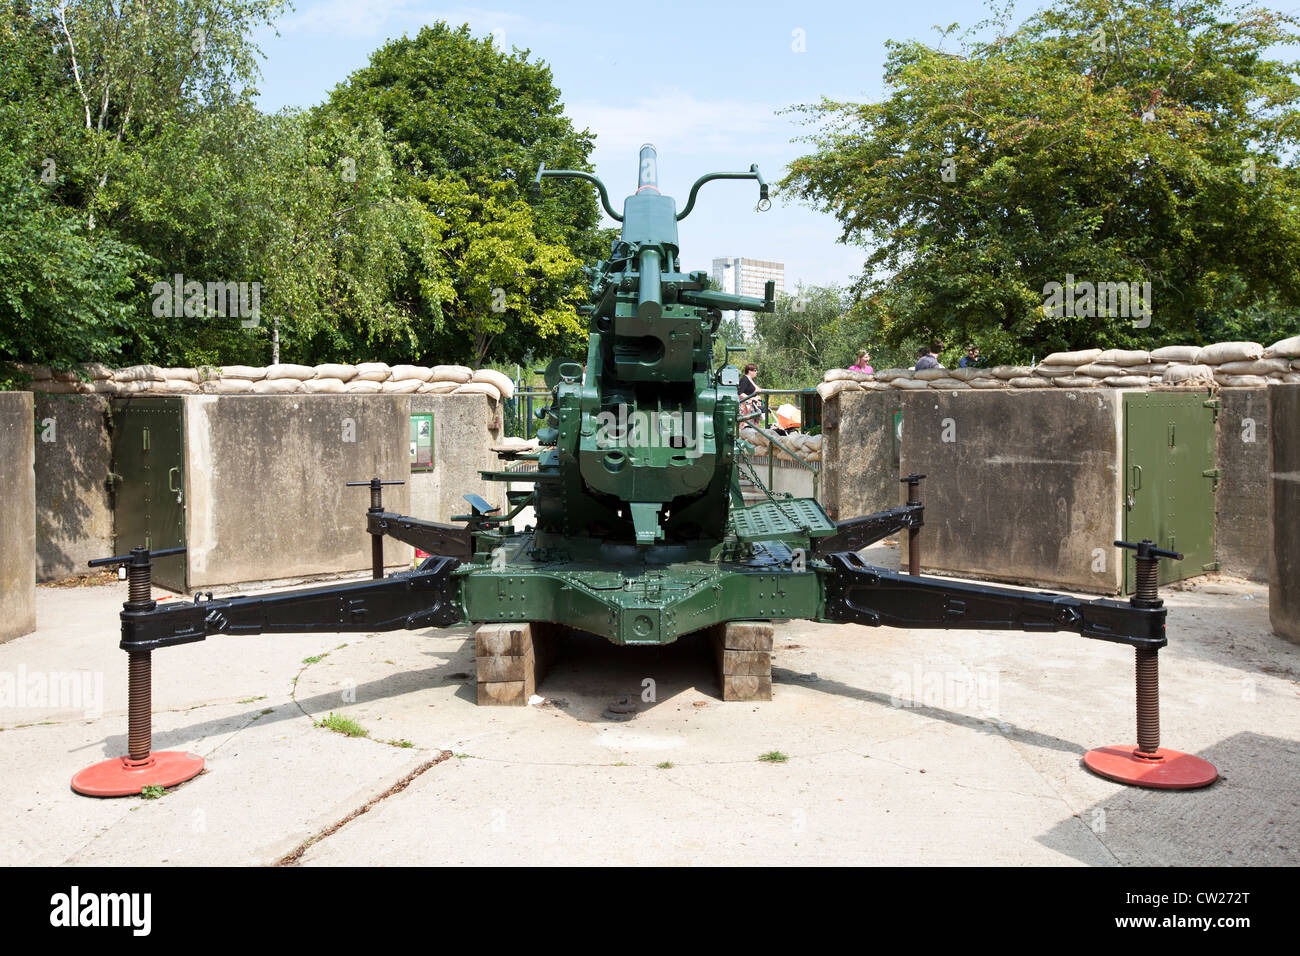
(748, 389)
(862, 363)
(924, 359)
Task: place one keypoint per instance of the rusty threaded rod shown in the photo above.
(139, 583)
(377, 540)
(1148, 699)
(139, 706)
(914, 534)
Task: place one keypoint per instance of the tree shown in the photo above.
(807, 333)
(469, 124)
(1102, 142)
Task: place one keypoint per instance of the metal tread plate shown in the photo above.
(777, 519)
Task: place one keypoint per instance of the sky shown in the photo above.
(705, 82)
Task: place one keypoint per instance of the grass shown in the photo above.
(343, 725)
(399, 743)
(463, 756)
(666, 765)
(152, 792)
(314, 659)
(251, 700)
(773, 756)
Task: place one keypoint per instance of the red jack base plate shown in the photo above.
(124, 777)
(1165, 770)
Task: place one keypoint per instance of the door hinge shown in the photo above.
(1214, 405)
(1213, 475)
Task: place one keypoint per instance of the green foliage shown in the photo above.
(773, 756)
(1129, 141)
(152, 792)
(809, 332)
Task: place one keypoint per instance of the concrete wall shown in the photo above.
(1284, 510)
(17, 516)
(858, 472)
(1023, 486)
(464, 430)
(1241, 455)
(266, 483)
(74, 513)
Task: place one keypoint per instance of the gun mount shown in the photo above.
(642, 534)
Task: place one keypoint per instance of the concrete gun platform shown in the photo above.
(899, 748)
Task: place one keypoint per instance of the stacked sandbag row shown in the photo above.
(803, 447)
(1224, 364)
(282, 379)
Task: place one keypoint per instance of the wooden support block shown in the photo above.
(512, 659)
(748, 636)
(743, 672)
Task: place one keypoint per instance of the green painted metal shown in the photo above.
(1169, 480)
(641, 534)
(149, 490)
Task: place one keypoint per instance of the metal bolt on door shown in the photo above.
(1169, 479)
(149, 502)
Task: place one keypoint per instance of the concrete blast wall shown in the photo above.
(1284, 510)
(267, 481)
(1241, 509)
(74, 510)
(17, 516)
(859, 475)
(464, 429)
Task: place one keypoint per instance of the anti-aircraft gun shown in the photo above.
(641, 533)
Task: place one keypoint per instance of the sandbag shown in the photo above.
(1123, 357)
(949, 384)
(323, 386)
(344, 373)
(181, 375)
(245, 372)
(452, 373)
(930, 374)
(1242, 381)
(1258, 367)
(1076, 381)
(406, 373)
(137, 373)
(1031, 381)
(499, 379)
(479, 388)
(987, 383)
(402, 386)
(1084, 357)
(1097, 370)
(1127, 381)
(1188, 375)
(1284, 348)
(50, 387)
(372, 372)
(362, 385)
(287, 370)
(1008, 372)
(227, 386)
(1222, 352)
(828, 389)
(873, 386)
(889, 374)
(97, 371)
(175, 386)
(278, 386)
(1054, 371)
(1176, 353)
(909, 383)
(438, 388)
(966, 374)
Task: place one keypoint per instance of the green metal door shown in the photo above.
(149, 504)
(1169, 480)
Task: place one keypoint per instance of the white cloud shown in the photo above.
(680, 123)
(388, 17)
